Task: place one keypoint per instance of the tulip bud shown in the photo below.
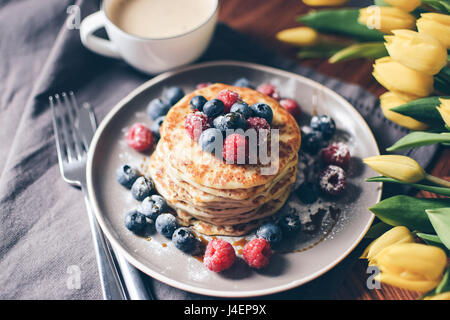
(436, 25)
(411, 266)
(444, 110)
(397, 167)
(405, 5)
(396, 77)
(395, 235)
(300, 36)
(386, 19)
(319, 3)
(440, 296)
(391, 100)
(417, 51)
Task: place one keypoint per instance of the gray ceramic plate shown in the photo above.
(309, 256)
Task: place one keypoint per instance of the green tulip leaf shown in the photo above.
(440, 219)
(368, 50)
(423, 110)
(408, 211)
(419, 139)
(340, 21)
(439, 190)
(432, 240)
(377, 230)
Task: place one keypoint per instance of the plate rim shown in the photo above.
(177, 284)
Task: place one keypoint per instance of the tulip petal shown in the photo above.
(396, 281)
(396, 77)
(413, 260)
(436, 25)
(405, 5)
(417, 51)
(398, 167)
(396, 235)
(300, 36)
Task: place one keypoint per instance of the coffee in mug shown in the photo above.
(158, 19)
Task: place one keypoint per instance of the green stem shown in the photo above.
(438, 181)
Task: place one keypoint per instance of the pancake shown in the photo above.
(227, 214)
(196, 166)
(232, 230)
(211, 196)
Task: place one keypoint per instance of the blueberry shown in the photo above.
(312, 141)
(230, 121)
(213, 108)
(262, 110)
(184, 239)
(142, 188)
(271, 232)
(135, 221)
(308, 192)
(153, 206)
(324, 124)
(173, 95)
(243, 83)
(290, 224)
(127, 175)
(197, 103)
(156, 125)
(166, 224)
(157, 108)
(242, 108)
(209, 141)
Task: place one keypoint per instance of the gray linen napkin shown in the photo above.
(45, 245)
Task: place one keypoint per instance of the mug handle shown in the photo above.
(88, 26)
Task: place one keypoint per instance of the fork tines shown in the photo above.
(70, 142)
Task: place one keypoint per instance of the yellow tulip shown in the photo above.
(396, 77)
(411, 266)
(405, 5)
(436, 25)
(393, 99)
(319, 3)
(397, 167)
(386, 19)
(444, 110)
(416, 51)
(440, 296)
(300, 36)
(396, 235)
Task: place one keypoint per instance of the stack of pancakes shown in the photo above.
(214, 197)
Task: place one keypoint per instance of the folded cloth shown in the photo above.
(46, 250)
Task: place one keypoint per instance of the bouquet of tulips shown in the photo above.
(409, 41)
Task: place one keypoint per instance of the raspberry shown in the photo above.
(235, 144)
(228, 98)
(269, 90)
(257, 253)
(292, 107)
(257, 123)
(336, 153)
(202, 85)
(139, 137)
(195, 123)
(332, 180)
(219, 255)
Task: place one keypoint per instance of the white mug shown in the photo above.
(150, 56)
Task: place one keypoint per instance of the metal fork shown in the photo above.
(74, 128)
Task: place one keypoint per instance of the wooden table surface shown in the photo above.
(262, 20)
